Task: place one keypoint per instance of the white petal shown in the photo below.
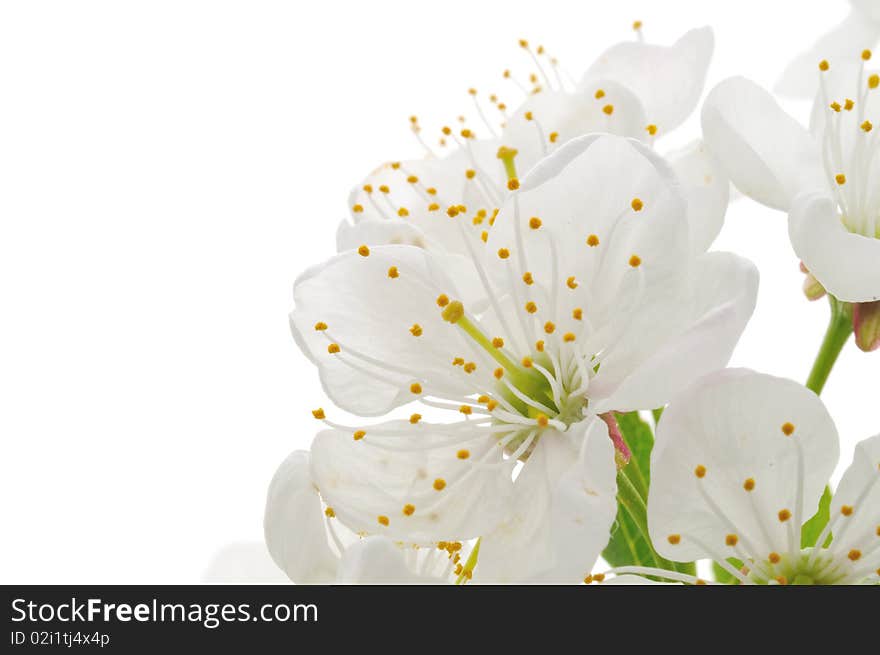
(860, 489)
(630, 579)
(706, 189)
(667, 79)
(565, 503)
(247, 563)
(376, 232)
(733, 423)
(847, 264)
(726, 288)
(763, 150)
(294, 524)
(397, 464)
(370, 315)
(377, 560)
(843, 42)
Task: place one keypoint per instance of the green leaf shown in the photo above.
(721, 574)
(814, 526)
(629, 546)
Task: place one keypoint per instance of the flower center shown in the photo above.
(811, 566)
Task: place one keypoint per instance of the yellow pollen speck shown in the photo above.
(637, 204)
(549, 327)
(329, 513)
(483, 399)
(431, 191)
(784, 515)
(527, 278)
(470, 174)
(463, 454)
(498, 342)
(731, 540)
(416, 330)
(492, 404)
(608, 109)
(823, 65)
(854, 554)
(674, 539)
(637, 25)
(571, 283)
(846, 510)
(503, 253)
(458, 361)
(598, 577)
(360, 434)
(466, 410)
(472, 91)
(439, 484)
(600, 93)
(403, 212)
(840, 178)
(433, 207)
(867, 126)
(452, 211)
(774, 558)
(528, 116)
(395, 165)
(588, 579)
(363, 251)
(527, 362)
(384, 188)
(333, 348)
(442, 300)
(412, 179)
(539, 346)
(393, 272)
(635, 261)
(651, 129)
(320, 326)
(849, 104)
(415, 387)
(470, 367)
(415, 418)
(554, 136)
(749, 484)
(542, 420)
(357, 209)
(568, 337)
(368, 188)
(409, 509)
(319, 414)
(466, 133)
(513, 184)
(531, 307)
(453, 312)
(592, 241)
(866, 55)
(577, 313)
(534, 222)
(787, 429)
(484, 236)
(498, 373)
(874, 81)
(835, 106)
(383, 520)
(700, 471)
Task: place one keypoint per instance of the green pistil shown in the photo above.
(507, 155)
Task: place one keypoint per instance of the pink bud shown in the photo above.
(866, 322)
(622, 454)
(813, 290)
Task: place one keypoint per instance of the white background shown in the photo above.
(167, 168)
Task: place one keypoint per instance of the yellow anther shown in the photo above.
(458, 361)
(592, 241)
(674, 539)
(568, 337)
(840, 178)
(835, 106)
(866, 55)
(412, 179)
(588, 579)
(774, 558)
(534, 222)
(784, 515)
(320, 326)
(446, 130)
(360, 434)
(513, 184)
(368, 188)
(357, 209)
(651, 129)
(700, 581)
(542, 420)
(846, 510)
(409, 509)
(823, 65)
(439, 484)
(452, 211)
(431, 191)
(554, 136)
(527, 362)
(539, 345)
(363, 251)
(523, 43)
(749, 484)
(498, 373)
(329, 513)
(483, 399)
(533, 78)
(413, 119)
(333, 348)
(531, 307)
(466, 134)
(470, 367)
(598, 577)
(415, 418)
(788, 429)
(477, 220)
(549, 327)
(527, 278)
(782, 580)
(383, 520)
(577, 313)
(498, 342)
(854, 555)
(637, 25)
(470, 173)
(472, 91)
(600, 93)
(492, 404)
(571, 283)
(874, 81)
(453, 312)
(484, 236)
(416, 330)
(403, 212)
(608, 109)
(867, 126)
(503, 253)
(393, 272)
(415, 387)
(731, 540)
(433, 207)
(635, 261)
(848, 104)
(637, 204)
(463, 454)
(384, 188)
(319, 413)
(700, 471)
(442, 300)
(528, 115)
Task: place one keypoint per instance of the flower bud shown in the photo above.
(813, 289)
(866, 323)
(622, 453)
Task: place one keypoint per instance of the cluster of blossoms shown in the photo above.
(540, 284)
